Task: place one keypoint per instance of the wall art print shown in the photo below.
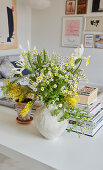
(82, 6)
(8, 26)
(97, 6)
(88, 40)
(70, 7)
(94, 24)
(72, 31)
(98, 43)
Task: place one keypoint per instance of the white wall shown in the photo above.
(46, 33)
(23, 27)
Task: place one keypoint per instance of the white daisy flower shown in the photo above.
(35, 84)
(70, 92)
(60, 105)
(55, 86)
(60, 76)
(35, 89)
(52, 79)
(42, 88)
(66, 80)
(47, 82)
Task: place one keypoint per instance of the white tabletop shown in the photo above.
(68, 152)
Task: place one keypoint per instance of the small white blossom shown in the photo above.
(47, 82)
(35, 84)
(35, 89)
(60, 105)
(55, 86)
(42, 88)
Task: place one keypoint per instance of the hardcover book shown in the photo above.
(87, 95)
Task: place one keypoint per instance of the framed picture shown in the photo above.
(88, 40)
(72, 31)
(70, 7)
(8, 26)
(98, 43)
(97, 6)
(82, 6)
(94, 24)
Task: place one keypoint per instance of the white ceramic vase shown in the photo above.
(47, 124)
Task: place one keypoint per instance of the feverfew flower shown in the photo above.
(47, 82)
(35, 84)
(35, 89)
(55, 86)
(56, 74)
(52, 64)
(60, 76)
(60, 105)
(52, 79)
(66, 76)
(49, 68)
(70, 92)
(66, 79)
(42, 88)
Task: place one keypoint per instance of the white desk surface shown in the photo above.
(65, 153)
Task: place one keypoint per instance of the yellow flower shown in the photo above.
(71, 60)
(72, 101)
(25, 111)
(87, 62)
(21, 74)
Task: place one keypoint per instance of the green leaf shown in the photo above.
(77, 61)
(56, 112)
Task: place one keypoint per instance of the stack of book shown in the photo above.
(90, 99)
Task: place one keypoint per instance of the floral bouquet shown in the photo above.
(53, 81)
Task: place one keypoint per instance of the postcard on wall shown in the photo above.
(8, 26)
(82, 6)
(94, 24)
(88, 41)
(97, 6)
(72, 31)
(70, 7)
(98, 42)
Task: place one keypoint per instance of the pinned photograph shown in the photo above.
(82, 6)
(97, 6)
(70, 7)
(94, 24)
(88, 41)
(99, 41)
